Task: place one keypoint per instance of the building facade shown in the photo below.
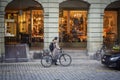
(96, 14)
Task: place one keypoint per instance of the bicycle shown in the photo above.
(47, 58)
(100, 52)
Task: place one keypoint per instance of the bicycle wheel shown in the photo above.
(46, 60)
(65, 60)
(98, 55)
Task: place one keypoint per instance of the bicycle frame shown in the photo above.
(61, 56)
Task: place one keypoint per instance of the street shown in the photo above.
(82, 68)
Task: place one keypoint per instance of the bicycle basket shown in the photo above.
(46, 52)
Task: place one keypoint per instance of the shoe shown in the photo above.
(56, 64)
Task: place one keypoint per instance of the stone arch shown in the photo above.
(21, 5)
(75, 4)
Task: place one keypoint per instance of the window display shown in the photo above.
(10, 28)
(10, 24)
(24, 26)
(37, 27)
(73, 26)
(110, 26)
(22, 22)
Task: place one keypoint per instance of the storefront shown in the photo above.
(24, 23)
(73, 24)
(111, 23)
(77, 23)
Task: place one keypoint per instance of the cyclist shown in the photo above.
(55, 50)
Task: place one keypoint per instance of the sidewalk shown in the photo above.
(72, 53)
(82, 68)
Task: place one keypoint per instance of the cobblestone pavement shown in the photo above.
(82, 68)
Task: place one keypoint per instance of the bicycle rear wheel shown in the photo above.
(46, 61)
(65, 60)
(98, 55)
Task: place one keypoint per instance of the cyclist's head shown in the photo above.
(55, 38)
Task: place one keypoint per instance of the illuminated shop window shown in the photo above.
(110, 26)
(73, 29)
(10, 24)
(37, 26)
(21, 25)
(73, 26)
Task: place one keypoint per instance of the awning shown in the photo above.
(113, 6)
(74, 5)
(23, 5)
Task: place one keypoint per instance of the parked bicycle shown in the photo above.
(100, 52)
(63, 58)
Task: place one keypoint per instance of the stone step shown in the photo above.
(75, 54)
(68, 51)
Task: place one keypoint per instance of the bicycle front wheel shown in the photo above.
(65, 60)
(46, 61)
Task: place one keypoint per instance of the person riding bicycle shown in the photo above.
(57, 54)
(55, 50)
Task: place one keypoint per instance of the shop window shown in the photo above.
(10, 27)
(24, 26)
(73, 26)
(110, 31)
(10, 24)
(110, 26)
(37, 26)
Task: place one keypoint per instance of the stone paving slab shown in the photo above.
(80, 69)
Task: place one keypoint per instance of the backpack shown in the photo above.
(51, 46)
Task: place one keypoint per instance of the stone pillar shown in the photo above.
(2, 48)
(51, 18)
(95, 27)
(2, 31)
